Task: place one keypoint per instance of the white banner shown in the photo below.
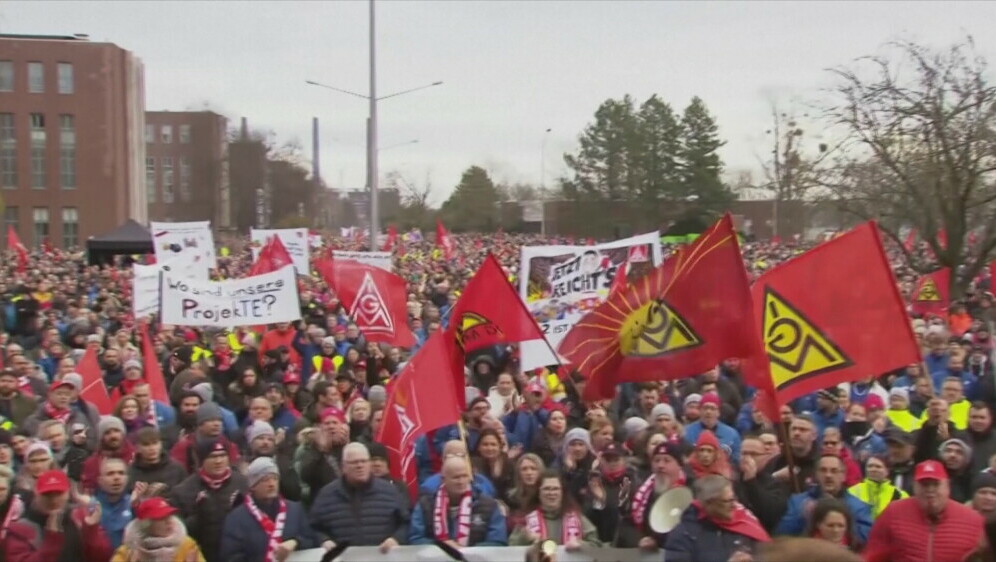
(185, 245)
(376, 259)
(560, 284)
(294, 239)
(261, 299)
(145, 290)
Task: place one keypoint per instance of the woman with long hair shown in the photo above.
(157, 535)
(832, 522)
(129, 411)
(576, 460)
(524, 493)
(557, 518)
(643, 449)
(491, 459)
(550, 439)
(602, 433)
(242, 390)
(358, 415)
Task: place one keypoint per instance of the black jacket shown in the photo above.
(166, 471)
(205, 519)
(701, 540)
(361, 515)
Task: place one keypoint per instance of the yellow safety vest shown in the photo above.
(957, 414)
(904, 419)
(877, 495)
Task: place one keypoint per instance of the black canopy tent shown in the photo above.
(129, 238)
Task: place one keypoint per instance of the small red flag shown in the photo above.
(153, 370)
(910, 242)
(14, 244)
(444, 240)
(932, 293)
(419, 400)
(94, 390)
(376, 299)
(392, 238)
(272, 257)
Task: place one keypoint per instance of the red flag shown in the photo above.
(153, 370)
(272, 257)
(14, 244)
(932, 293)
(376, 299)
(820, 330)
(619, 281)
(942, 239)
(910, 242)
(392, 238)
(444, 241)
(776, 240)
(419, 400)
(94, 390)
(681, 319)
(47, 246)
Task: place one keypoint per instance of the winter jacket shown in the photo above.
(166, 471)
(18, 408)
(185, 452)
(114, 517)
(795, 518)
(698, 539)
(727, 436)
(32, 422)
(983, 447)
(316, 468)
(186, 547)
(904, 534)
(487, 524)
(555, 532)
(243, 540)
(206, 518)
(522, 426)
(877, 494)
(28, 541)
(364, 515)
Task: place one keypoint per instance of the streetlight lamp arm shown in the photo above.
(333, 88)
(408, 91)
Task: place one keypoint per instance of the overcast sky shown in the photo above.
(511, 69)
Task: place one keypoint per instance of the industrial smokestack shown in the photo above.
(244, 133)
(316, 170)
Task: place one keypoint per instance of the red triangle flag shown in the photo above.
(932, 293)
(377, 300)
(272, 257)
(444, 241)
(14, 244)
(392, 238)
(94, 390)
(153, 370)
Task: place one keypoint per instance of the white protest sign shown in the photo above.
(145, 290)
(260, 299)
(560, 284)
(376, 259)
(294, 239)
(185, 245)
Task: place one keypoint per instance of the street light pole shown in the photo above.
(543, 181)
(372, 138)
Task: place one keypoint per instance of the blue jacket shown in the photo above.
(724, 433)
(243, 540)
(479, 484)
(114, 517)
(936, 363)
(229, 423)
(823, 421)
(794, 521)
(423, 460)
(165, 415)
(494, 533)
(522, 427)
(307, 350)
(283, 418)
(701, 540)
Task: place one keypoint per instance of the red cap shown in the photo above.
(339, 329)
(52, 481)
(155, 508)
(332, 412)
(710, 398)
(60, 384)
(290, 377)
(534, 387)
(874, 402)
(930, 470)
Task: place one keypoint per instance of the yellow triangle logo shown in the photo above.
(928, 292)
(795, 347)
(656, 329)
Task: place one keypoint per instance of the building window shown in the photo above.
(8, 151)
(66, 85)
(70, 227)
(167, 133)
(67, 151)
(38, 151)
(10, 220)
(184, 134)
(6, 76)
(167, 180)
(36, 78)
(150, 134)
(41, 225)
(150, 179)
(185, 179)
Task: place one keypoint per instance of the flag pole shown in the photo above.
(788, 455)
(463, 437)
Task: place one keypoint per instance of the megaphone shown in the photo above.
(666, 511)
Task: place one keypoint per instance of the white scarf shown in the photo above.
(440, 517)
(274, 529)
(570, 527)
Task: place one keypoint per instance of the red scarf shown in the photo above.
(742, 522)
(14, 511)
(570, 526)
(440, 517)
(273, 529)
(212, 482)
(642, 498)
(57, 414)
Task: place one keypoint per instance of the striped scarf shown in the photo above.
(570, 527)
(273, 529)
(440, 517)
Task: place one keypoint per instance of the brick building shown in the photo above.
(186, 172)
(72, 158)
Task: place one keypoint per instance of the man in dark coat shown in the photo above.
(152, 465)
(358, 508)
(206, 497)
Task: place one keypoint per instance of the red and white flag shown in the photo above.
(272, 257)
(376, 299)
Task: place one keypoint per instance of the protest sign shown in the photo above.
(560, 284)
(261, 299)
(294, 239)
(185, 245)
(376, 259)
(145, 290)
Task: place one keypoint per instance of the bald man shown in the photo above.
(456, 514)
(457, 449)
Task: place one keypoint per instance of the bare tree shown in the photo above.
(416, 211)
(919, 151)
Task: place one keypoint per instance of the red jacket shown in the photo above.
(274, 339)
(903, 533)
(29, 542)
(91, 466)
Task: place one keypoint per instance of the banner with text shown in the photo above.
(185, 245)
(294, 239)
(376, 259)
(261, 299)
(560, 284)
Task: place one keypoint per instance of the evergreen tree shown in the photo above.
(659, 172)
(603, 167)
(700, 159)
(473, 206)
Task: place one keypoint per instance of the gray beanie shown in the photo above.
(133, 364)
(662, 410)
(958, 442)
(578, 434)
(259, 428)
(208, 411)
(377, 394)
(634, 425)
(108, 423)
(204, 390)
(261, 468)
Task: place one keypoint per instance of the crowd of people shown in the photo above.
(267, 445)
